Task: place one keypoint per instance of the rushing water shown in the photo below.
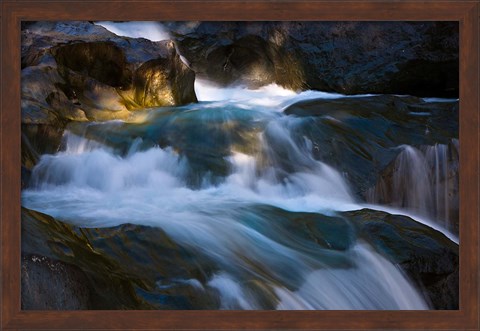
(423, 180)
(207, 175)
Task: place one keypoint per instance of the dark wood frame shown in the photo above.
(14, 11)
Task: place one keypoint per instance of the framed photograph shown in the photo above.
(239, 165)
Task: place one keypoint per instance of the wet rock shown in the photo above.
(426, 255)
(82, 271)
(141, 267)
(126, 267)
(422, 179)
(361, 136)
(81, 58)
(52, 285)
(101, 60)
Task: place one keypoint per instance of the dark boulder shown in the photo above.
(101, 60)
(415, 58)
(83, 65)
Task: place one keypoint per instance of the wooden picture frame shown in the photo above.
(466, 12)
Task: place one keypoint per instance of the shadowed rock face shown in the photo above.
(103, 61)
(62, 270)
(254, 62)
(415, 58)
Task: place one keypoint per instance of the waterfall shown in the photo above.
(353, 294)
(206, 186)
(423, 180)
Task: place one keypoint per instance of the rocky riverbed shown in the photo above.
(241, 165)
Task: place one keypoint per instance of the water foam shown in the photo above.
(153, 31)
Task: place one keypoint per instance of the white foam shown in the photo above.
(153, 31)
(271, 96)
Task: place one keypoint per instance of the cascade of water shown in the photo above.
(423, 180)
(365, 287)
(93, 185)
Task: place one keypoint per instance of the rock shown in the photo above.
(78, 71)
(43, 100)
(101, 60)
(164, 82)
(52, 285)
(39, 139)
(426, 255)
(82, 58)
(141, 267)
(361, 136)
(424, 180)
(253, 62)
(122, 265)
(415, 58)
(64, 260)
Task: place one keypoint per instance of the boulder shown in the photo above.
(59, 261)
(164, 82)
(123, 265)
(79, 71)
(415, 58)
